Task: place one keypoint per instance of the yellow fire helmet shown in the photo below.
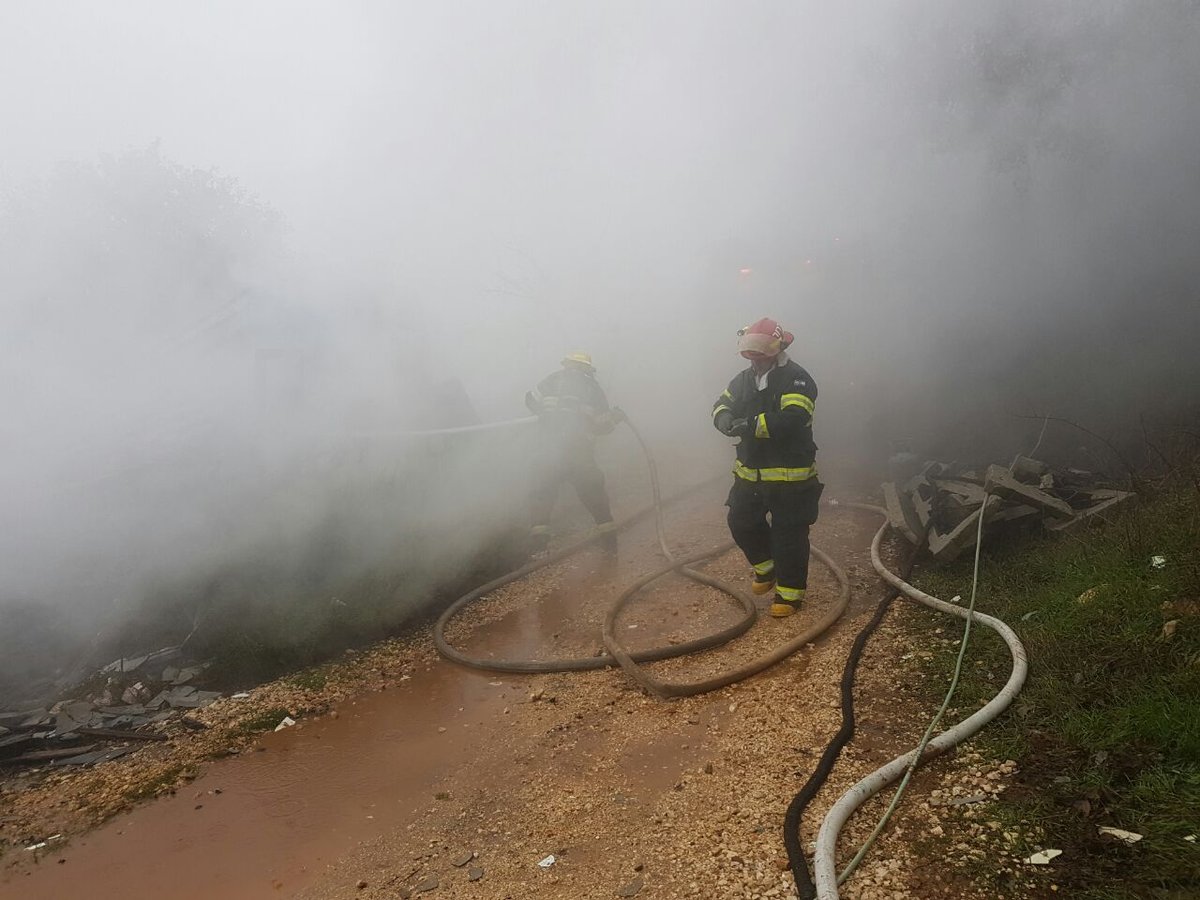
(578, 359)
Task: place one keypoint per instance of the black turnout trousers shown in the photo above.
(571, 462)
(792, 508)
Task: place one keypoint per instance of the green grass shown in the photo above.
(310, 679)
(264, 721)
(1111, 711)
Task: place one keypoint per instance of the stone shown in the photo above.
(474, 873)
(1029, 470)
(631, 889)
(428, 884)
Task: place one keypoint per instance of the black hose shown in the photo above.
(791, 821)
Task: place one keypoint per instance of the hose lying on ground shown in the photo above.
(824, 861)
(629, 661)
(795, 811)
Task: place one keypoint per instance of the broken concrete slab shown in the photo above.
(72, 716)
(921, 491)
(967, 490)
(1110, 499)
(1013, 513)
(183, 676)
(37, 718)
(36, 756)
(99, 756)
(14, 744)
(1001, 482)
(901, 514)
(14, 719)
(945, 547)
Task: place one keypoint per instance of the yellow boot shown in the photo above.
(764, 577)
(787, 602)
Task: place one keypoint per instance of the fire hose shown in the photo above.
(824, 862)
(630, 661)
(824, 857)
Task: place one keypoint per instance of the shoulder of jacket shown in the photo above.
(794, 375)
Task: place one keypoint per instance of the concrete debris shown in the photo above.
(41, 844)
(1042, 857)
(117, 705)
(945, 501)
(1129, 837)
(285, 722)
(547, 862)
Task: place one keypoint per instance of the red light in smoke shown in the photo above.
(745, 271)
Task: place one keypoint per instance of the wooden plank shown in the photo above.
(45, 755)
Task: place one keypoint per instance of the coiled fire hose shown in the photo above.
(618, 655)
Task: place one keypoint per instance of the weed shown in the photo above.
(1110, 712)
(310, 679)
(263, 721)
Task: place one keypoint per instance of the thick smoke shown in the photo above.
(244, 250)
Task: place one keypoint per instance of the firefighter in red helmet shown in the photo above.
(769, 406)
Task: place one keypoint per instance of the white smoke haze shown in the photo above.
(244, 247)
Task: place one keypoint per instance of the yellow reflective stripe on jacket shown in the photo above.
(719, 408)
(760, 426)
(725, 393)
(773, 474)
(784, 474)
(742, 472)
(796, 400)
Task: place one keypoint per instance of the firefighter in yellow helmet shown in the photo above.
(572, 411)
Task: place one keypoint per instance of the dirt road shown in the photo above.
(472, 782)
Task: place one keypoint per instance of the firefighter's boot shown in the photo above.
(787, 602)
(764, 577)
(608, 538)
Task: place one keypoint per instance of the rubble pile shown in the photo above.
(945, 500)
(125, 704)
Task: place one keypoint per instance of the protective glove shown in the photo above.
(723, 420)
(739, 428)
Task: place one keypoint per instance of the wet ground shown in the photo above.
(391, 786)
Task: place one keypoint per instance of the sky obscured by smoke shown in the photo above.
(241, 239)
